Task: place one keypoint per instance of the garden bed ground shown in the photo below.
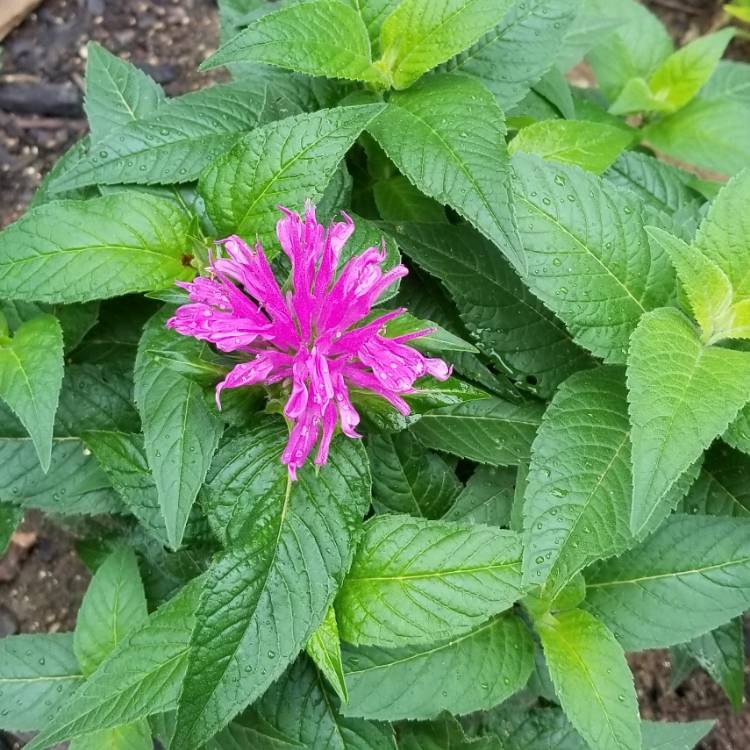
(41, 578)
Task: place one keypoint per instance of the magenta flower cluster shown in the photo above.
(313, 338)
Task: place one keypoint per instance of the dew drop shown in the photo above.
(539, 560)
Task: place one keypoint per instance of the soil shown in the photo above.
(42, 580)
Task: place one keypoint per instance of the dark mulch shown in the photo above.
(41, 579)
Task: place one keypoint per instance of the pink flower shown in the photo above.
(309, 338)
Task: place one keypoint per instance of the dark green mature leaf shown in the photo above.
(425, 132)
(117, 92)
(710, 132)
(487, 497)
(319, 37)
(75, 251)
(446, 732)
(37, 673)
(519, 50)
(722, 654)
(689, 577)
(181, 430)
(421, 34)
(398, 200)
(593, 146)
(516, 331)
(284, 162)
(592, 680)
(659, 735)
(299, 711)
(10, 517)
(418, 581)
(579, 492)
(73, 484)
(588, 255)
(408, 479)
(47, 192)
(135, 736)
(324, 648)
(723, 487)
(114, 605)
(535, 729)
(738, 433)
(701, 389)
(31, 373)
(486, 666)
(141, 677)
(174, 144)
(489, 430)
(291, 545)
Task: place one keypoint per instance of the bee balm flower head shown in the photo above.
(314, 338)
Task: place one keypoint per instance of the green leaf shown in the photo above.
(489, 431)
(723, 487)
(418, 581)
(299, 711)
(123, 460)
(461, 166)
(437, 341)
(10, 517)
(722, 654)
(519, 50)
(701, 389)
(176, 143)
(76, 251)
(117, 92)
(31, 373)
(324, 648)
(579, 488)
(271, 166)
(47, 191)
(290, 545)
(535, 729)
(398, 200)
(487, 497)
(420, 34)
(592, 680)
(516, 331)
(141, 677)
(588, 255)
(486, 666)
(135, 736)
(114, 605)
(592, 146)
(660, 735)
(711, 131)
(408, 479)
(319, 37)
(689, 577)
(37, 673)
(443, 733)
(181, 430)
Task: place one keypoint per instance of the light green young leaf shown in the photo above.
(181, 429)
(592, 146)
(289, 547)
(324, 648)
(579, 487)
(176, 143)
(487, 666)
(31, 373)
(489, 431)
(421, 34)
(689, 577)
(519, 50)
(437, 341)
(114, 605)
(487, 497)
(319, 37)
(135, 736)
(721, 653)
(76, 251)
(457, 165)
(408, 479)
(661, 735)
(116, 92)
(592, 680)
(588, 255)
(373, 13)
(37, 674)
(512, 327)
(418, 581)
(141, 677)
(284, 162)
(701, 389)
